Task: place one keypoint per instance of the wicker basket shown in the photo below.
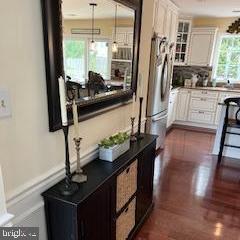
(126, 185)
(126, 221)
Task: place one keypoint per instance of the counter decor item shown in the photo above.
(194, 80)
(188, 83)
(113, 147)
(205, 82)
(214, 82)
(67, 188)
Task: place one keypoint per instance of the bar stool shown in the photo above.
(229, 123)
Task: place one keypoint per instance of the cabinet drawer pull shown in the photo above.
(204, 92)
(203, 99)
(201, 112)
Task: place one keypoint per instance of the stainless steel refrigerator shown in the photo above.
(159, 88)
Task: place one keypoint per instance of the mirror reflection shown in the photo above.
(98, 46)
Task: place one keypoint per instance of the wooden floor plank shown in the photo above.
(194, 200)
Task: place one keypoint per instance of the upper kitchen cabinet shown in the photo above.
(182, 43)
(124, 36)
(166, 19)
(174, 25)
(160, 16)
(201, 46)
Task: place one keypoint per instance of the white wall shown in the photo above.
(29, 152)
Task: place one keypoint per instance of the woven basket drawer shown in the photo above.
(126, 221)
(126, 185)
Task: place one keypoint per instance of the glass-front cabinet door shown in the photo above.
(183, 36)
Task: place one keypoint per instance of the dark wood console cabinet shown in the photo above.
(90, 214)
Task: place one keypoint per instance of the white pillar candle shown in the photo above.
(75, 119)
(133, 105)
(63, 102)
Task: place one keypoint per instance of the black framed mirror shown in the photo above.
(103, 77)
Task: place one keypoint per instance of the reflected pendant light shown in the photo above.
(92, 44)
(115, 44)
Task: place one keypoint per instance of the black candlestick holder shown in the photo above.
(139, 136)
(68, 187)
(132, 136)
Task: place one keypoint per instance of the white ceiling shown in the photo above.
(80, 9)
(211, 8)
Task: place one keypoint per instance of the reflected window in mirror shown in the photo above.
(105, 68)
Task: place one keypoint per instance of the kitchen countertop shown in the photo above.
(220, 89)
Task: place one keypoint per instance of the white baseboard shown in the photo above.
(192, 124)
(5, 220)
(26, 202)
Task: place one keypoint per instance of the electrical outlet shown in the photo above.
(5, 110)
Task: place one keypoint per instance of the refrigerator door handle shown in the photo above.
(160, 118)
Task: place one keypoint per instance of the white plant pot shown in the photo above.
(112, 153)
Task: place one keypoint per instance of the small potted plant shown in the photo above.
(111, 148)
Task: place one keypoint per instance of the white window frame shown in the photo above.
(217, 54)
(87, 39)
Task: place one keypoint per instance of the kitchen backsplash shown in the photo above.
(121, 67)
(180, 73)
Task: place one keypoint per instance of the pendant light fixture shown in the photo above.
(115, 44)
(92, 44)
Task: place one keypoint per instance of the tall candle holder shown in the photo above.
(79, 177)
(132, 136)
(139, 136)
(68, 187)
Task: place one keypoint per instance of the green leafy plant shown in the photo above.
(116, 139)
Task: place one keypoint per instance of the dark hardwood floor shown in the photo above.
(194, 200)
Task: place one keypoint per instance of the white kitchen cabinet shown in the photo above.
(130, 38)
(202, 107)
(160, 17)
(174, 26)
(165, 20)
(167, 25)
(201, 46)
(124, 36)
(183, 104)
(203, 104)
(204, 94)
(201, 116)
(199, 107)
(182, 41)
(172, 107)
